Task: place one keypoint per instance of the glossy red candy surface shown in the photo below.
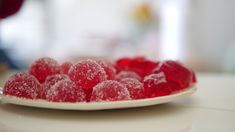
(65, 67)
(142, 66)
(127, 74)
(139, 65)
(194, 78)
(156, 85)
(175, 72)
(123, 64)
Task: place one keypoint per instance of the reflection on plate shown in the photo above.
(99, 105)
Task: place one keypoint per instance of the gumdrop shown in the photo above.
(175, 72)
(123, 64)
(50, 81)
(127, 74)
(156, 85)
(44, 67)
(65, 67)
(139, 65)
(135, 87)
(65, 91)
(109, 91)
(108, 67)
(142, 66)
(22, 85)
(86, 74)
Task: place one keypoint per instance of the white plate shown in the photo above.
(99, 105)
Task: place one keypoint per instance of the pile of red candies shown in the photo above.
(99, 80)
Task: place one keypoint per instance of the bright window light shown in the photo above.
(172, 29)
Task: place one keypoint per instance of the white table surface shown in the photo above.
(210, 109)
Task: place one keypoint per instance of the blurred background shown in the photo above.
(200, 33)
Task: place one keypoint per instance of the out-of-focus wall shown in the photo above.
(211, 34)
(200, 32)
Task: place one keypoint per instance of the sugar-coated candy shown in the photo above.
(100, 80)
(65, 91)
(109, 90)
(44, 67)
(22, 85)
(108, 68)
(50, 81)
(134, 86)
(86, 74)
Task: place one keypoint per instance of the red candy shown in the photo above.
(44, 67)
(86, 74)
(50, 81)
(156, 85)
(142, 66)
(139, 65)
(135, 87)
(109, 91)
(123, 64)
(22, 85)
(175, 72)
(127, 74)
(109, 68)
(65, 67)
(97, 81)
(65, 91)
(194, 78)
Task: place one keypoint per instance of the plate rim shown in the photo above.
(40, 103)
